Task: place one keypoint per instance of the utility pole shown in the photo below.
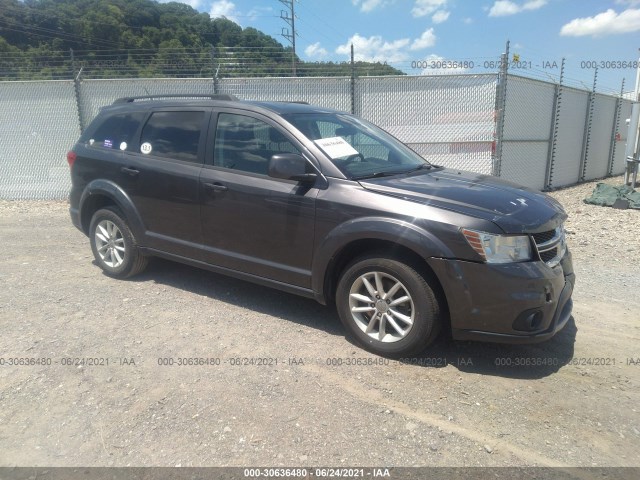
(290, 17)
(631, 151)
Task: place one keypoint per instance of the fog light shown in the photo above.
(528, 321)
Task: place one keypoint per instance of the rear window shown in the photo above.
(173, 135)
(116, 131)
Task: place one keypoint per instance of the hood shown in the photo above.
(513, 208)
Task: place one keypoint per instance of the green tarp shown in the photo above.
(607, 195)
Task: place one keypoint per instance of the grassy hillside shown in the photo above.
(142, 38)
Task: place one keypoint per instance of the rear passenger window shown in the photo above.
(173, 135)
(117, 131)
(246, 144)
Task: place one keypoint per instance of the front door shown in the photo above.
(251, 222)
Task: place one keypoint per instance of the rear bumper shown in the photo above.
(518, 303)
(75, 218)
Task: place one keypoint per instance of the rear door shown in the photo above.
(163, 168)
(251, 222)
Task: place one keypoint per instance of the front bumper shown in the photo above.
(525, 302)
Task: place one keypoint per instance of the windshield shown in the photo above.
(358, 148)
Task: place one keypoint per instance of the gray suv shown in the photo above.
(323, 204)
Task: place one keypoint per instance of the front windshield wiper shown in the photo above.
(391, 174)
(378, 175)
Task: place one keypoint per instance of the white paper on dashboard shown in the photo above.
(336, 147)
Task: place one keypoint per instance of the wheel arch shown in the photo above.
(395, 239)
(103, 193)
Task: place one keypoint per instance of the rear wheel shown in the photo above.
(387, 306)
(114, 246)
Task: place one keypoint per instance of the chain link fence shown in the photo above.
(329, 92)
(527, 131)
(602, 120)
(98, 93)
(552, 136)
(448, 119)
(38, 124)
(556, 136)
(569, 140)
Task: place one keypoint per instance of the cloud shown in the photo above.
(467, 21)
(256, 12)
(224, 8)
(426, 40)
(192, 3)
(605, 23)
(502, 8)
(315, 51)
(440, 16)
(370, 5)
(422, 8)
(375, 49)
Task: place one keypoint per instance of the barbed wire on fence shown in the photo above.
(252, 62)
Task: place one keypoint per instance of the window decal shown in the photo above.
(146, 148)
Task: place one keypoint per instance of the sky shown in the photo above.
(450, 36)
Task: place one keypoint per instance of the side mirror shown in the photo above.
(290, 166)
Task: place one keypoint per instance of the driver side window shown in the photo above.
(246, 144)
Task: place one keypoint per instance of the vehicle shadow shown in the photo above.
(293, 308)
(532, 361)
(510, 361)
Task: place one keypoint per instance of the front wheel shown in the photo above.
(113, 245)
(387, 306)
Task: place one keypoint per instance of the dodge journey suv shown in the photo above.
(323, 204)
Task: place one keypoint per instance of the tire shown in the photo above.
(114, 246)
(407, 310)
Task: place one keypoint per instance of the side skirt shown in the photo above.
(285, 287)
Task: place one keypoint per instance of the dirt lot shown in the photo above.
(573, 401)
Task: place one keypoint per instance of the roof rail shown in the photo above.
(302, 102)
(223, 96)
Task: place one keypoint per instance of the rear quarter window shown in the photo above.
(116, 131)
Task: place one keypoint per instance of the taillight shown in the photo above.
(71, 158)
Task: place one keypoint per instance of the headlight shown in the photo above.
(499, 248)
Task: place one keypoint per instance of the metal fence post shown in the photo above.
(587, 130)
(77, 82)
(215, 70)
(614, 131)
(553, 135)
(501, 101)
(353, 83)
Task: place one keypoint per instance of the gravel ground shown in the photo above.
(572, 401)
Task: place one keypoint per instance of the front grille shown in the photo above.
(551, 245)
(543, 237)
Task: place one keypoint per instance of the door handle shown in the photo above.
(130, 171)
(215, 187)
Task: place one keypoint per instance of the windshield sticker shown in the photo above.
(123, 146)
(336, 147)
(146, 148)
(107, 144)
